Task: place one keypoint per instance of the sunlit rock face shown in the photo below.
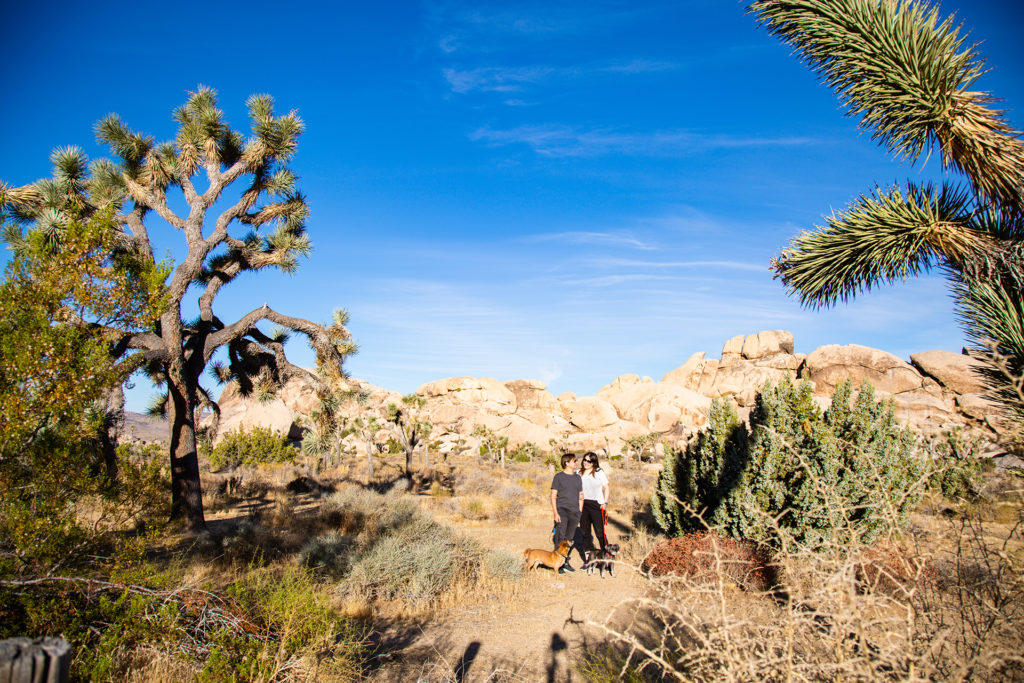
(937, 390)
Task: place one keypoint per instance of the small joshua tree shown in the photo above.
(409, 430)
(796, 472)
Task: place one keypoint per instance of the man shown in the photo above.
(566, 503)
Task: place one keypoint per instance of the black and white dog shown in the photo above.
(602, 560)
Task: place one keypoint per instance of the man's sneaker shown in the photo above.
(566, 568)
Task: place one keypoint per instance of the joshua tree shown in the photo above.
(408, 428)
(177, 350)
(908, 75)
(368, 427)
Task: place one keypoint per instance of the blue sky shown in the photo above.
(557, 191)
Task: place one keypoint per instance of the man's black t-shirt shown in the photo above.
(569, 487)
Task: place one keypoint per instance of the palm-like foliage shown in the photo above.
(908, 75)
(269, 212)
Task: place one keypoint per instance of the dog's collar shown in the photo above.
(566, 556)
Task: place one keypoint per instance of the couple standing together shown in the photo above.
(579, 500)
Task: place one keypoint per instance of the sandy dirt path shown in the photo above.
(535, 634)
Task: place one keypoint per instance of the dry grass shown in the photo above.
(945, 601)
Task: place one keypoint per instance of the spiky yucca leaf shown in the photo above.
(157, 406)
(908, 76)
(880, 238)
(992, 313)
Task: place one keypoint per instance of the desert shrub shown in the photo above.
(509, 512)
(359, 511)
(416, 562)
(957, 472)
(526, 452)
(263, 624)
(476, 481)
(289, 606)
(255, 446)
(328, 555)
(951, 608)
(474, 509)
(887, 568)
(797, 474)
(503, 565)
(706, 556)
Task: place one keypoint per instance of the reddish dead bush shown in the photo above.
(703, 554)
(887, 568)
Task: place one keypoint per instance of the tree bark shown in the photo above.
(186, 488)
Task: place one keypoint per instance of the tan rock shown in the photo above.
(741, 379)
(977, 406)
(660, 406)
(682, 375)
(489, 394)
(531, 394)
(592, 414)
(618, 384)
(957, 372)
(520, 431)
(828, 366)
(733, 347)
(767, 343)
(782, 361)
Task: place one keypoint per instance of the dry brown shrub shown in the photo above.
(951, 608)
(887, 568)
(706, 556)
(508, 512)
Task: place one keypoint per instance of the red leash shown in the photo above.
(604, 524)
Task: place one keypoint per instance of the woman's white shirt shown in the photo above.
(593, 486)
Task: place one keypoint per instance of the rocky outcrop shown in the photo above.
(937, 390)
(957, 372)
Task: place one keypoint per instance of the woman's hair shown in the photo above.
(566, 458)
(592, 457)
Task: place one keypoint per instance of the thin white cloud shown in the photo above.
(494, 79)
(553, 140)
(513, 78)
(613, 239)
(635, 263)
(640, 66)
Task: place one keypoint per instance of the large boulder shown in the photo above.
(520, 431)
(621, 383)
(957, 372)
(684, 374)
(489, 395)
(531, 393)
(828, 366)
(767, 343)
(660, 407)
(297, 397)
(590, 414)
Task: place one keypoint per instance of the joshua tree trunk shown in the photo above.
(186, 488)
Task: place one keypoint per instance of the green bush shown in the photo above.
(796, 473)
(958, 467)
(256, 446)
(328, 555)
(526, 452)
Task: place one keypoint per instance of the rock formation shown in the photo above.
(937, 390)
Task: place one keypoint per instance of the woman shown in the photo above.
(595, 498)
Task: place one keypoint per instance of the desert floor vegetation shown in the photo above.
(340, 577)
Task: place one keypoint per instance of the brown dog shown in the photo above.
(535, 557)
